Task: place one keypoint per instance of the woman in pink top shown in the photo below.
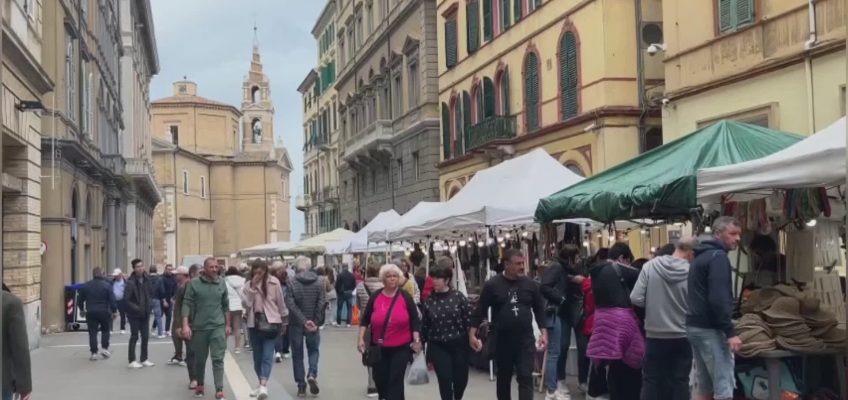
(396, 332)
(267, 317)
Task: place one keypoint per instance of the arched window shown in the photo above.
(457, 127)
(446, 129)
(466, 121)
(254, 94)
(503, 83)
(575, 168)
(478, 103)
(87, 215)
(568, 75)
(531, 92)
(489, 97)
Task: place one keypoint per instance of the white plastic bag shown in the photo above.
(417, 374)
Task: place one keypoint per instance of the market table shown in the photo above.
(772, 359)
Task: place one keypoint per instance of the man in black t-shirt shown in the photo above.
(515, 300)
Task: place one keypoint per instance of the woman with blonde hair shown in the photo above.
(395, 330)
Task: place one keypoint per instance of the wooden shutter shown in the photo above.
(489, 96)
(505, 21)
(744, 12)
(517, 10)
(472, 16)
(466, 121)
(450, 42)
(457, 127)
(725, 15)
(478, 99)
(568, 75)
(446, 137)
(505, 111)
(531, 82)
(487, 20)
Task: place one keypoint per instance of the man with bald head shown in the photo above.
(662, 289)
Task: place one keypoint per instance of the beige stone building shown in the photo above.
(776, 63)
(388, 106)
(224, 188)
(320, 198)
(23, 82)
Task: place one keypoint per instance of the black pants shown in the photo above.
(122, 311)
(514, 353)
(389, 372)
(98, 321)
(597, 380)
(625, 383)
(179, 343)
(666, 371)
(139, 326)
(166, 311)
(450, 360)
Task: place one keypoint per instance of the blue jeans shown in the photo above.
(297, 334)
(714, 362)
(7, 394)
(157, 317)
(344, 308)
(555, 336)
(263, 352)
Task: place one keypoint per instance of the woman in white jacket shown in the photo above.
(235, 283)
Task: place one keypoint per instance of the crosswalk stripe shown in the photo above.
(238, 381)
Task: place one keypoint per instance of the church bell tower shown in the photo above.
(256, 107)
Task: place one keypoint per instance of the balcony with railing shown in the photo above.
(372, 138)
(303, 201)
(490, 130)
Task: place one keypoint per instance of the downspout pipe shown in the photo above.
(808, 67)
(640, 76)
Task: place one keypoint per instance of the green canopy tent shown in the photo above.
(662, 182)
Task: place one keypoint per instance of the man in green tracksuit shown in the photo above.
(206, 323)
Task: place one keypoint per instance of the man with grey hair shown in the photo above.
(709, 325)
(306, 299)
(662, 290)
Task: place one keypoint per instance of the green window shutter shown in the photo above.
(446, 137)
(489, 95)
(478, 99)
(457, 127)
(472, 16)
(568, 75)
(466, 121)
(450, 43)
(531, 89)
(505, 93)
(725, 15)
(487, 20)
(517, 11)
(505, 21)
(744, 12)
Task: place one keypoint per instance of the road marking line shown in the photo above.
(67, 346)
(238, 382)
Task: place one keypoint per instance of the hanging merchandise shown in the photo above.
(806, 204)
(808, 247)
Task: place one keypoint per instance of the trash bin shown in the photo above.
(73, 318)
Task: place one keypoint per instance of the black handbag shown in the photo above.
(374, 353)
(261, 323)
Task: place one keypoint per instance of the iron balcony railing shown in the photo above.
(489, 130)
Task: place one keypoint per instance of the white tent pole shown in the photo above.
(427, 257)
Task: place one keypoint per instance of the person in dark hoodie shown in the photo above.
(97, 301)
(305, 299)
(157, 300)
(169, 287)
(709, 325)
(137, 297)
(561, 288)
(345, 285)
(662, 291)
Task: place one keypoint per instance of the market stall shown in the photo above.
(318, 243)
(358, 242)
(266, 250)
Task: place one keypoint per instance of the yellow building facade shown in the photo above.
(320, 199)
(225, 184)
(563, 75)
(776, 63)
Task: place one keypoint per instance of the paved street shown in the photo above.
(61, 370)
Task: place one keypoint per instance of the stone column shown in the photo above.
(133, 219)
(112, 249)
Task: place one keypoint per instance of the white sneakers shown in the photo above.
(559, 394)
(93, 357)
(137, 365)
(278, 357)
(105, 353)
(261, 393)
(123, 332)
(148, 364)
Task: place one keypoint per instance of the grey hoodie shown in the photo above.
(662, 289)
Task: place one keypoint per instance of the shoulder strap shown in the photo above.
(388, 315)
(368, 292)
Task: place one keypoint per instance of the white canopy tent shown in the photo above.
(266, 250)
(418, 214)
(505, 194)
(318, 244)
(818, 160)
(358, 242)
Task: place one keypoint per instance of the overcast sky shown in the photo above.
(210, 42)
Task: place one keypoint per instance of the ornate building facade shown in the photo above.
(224, 188)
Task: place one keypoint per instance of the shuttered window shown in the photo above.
(531, 91)
(504, 10)
(450, 42)
(488, 21)
(568, 75)
(478, 100)
(505, 111)
(457, 127)
(735, 14)
(466, 121)
(472, 16)
(446, 127)
(517, 10)
(489, 97)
